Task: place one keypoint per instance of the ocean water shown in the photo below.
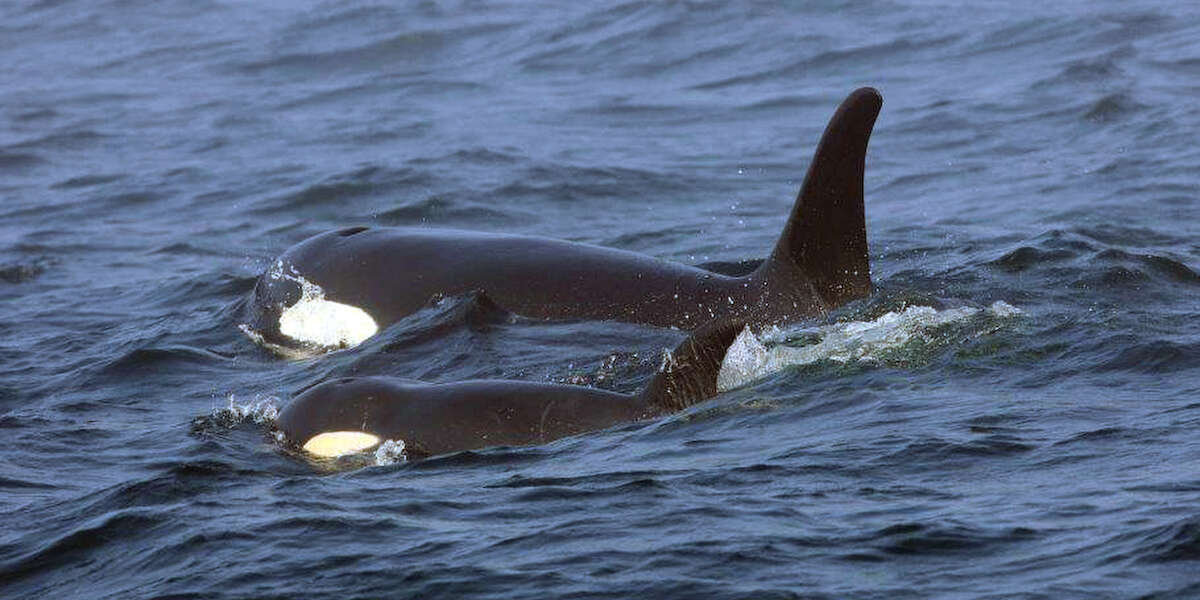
(1037, 157)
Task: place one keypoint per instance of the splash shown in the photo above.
(262, 410)
(345, 450)
(315, 321)
(750, 358)
(390, 452)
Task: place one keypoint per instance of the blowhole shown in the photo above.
(349, 231)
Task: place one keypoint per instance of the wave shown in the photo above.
(23, 272)
(895, 337)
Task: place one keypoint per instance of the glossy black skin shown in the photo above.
(441, 418)
(819, 263)
(392, 272)
(435, 419)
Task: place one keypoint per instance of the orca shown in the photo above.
(337, 289)
(349, 415)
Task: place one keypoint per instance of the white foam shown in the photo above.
(390, 452)
(262, 410)
(745, 358)
(749, 358)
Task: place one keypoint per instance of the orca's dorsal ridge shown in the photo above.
(689, 373)
(354, 414)
(826, 235)
(381, 275)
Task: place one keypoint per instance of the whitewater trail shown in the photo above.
(752, 357)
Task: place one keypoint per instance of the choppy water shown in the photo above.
(155, 157)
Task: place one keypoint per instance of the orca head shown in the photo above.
(292, 315)
(338, 417)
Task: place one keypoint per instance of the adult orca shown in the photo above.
(350, 415)
(336, 289)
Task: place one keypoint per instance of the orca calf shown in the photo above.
(337, 289)
(351, 415)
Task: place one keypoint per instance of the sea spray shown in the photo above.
(261, 410)
(750, 357)
(390, 452)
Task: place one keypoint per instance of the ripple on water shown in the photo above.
(1041, 456)
(90, 543)
(1153, 357)
(923, 539)
(19, 161)
(1172, 542)
(85, 181)
(23, 272)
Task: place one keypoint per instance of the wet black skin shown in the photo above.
(438, 419)
(819, 262)
(435, 419)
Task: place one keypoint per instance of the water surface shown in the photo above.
(156, 157)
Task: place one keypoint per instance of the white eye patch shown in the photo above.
(332, 444)
(315, 320)
(326, 323)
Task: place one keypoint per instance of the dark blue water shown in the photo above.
(156, 156)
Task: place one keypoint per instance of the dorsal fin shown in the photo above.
(826, 234)
(689, 374)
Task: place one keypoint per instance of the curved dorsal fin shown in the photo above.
(689, 373)
(826, 234)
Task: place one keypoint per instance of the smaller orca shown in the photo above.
(337, 289)
(351, 415)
